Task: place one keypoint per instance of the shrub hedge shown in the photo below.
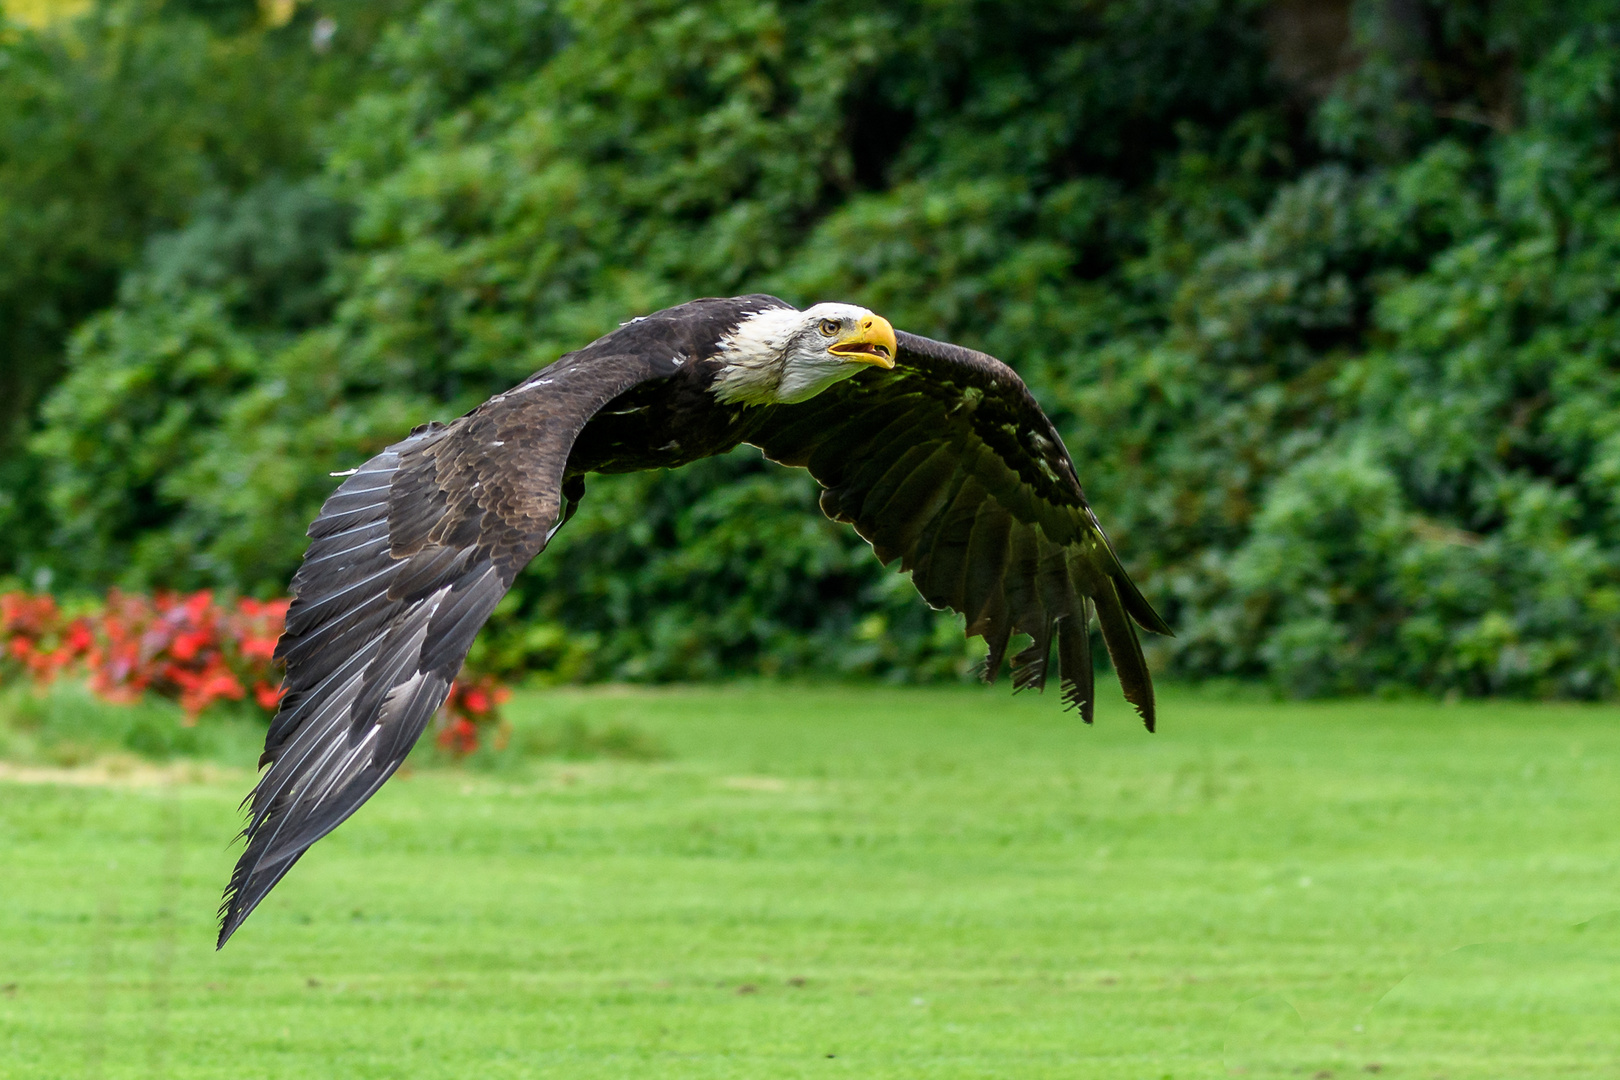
(1322, 297)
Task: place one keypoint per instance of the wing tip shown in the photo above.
(1136, 605)
(1147, 713)
(235, 907)
(250, 883)
(231, 913)
(1030, 664)
(1077, 698)
(1125, 650)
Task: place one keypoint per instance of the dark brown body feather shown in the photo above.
(945, 463)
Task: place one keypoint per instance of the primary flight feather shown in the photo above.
(936, 454)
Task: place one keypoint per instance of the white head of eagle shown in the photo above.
(782, 356)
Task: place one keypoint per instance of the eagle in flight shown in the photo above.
(936, 454)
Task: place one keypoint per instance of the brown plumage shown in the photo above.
(937, 455)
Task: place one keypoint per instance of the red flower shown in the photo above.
(257, 648)
(197, 605)
(459, 737)
(187, 646)
(79, 636)
(204, 688)
(268, 695)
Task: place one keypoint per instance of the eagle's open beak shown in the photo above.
(871, 343)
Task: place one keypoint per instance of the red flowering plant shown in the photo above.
(193, 649)
(37, 642)
(474, 706)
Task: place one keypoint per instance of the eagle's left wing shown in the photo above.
(947, 464)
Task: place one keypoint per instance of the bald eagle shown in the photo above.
(936, 454)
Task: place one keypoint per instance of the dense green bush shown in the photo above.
(1330, 327)
(115, 127)
(1448, 517)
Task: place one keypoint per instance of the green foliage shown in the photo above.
(1451, 522)
(130, 430)
(112, 128)
(522, 192)
(1336, 360)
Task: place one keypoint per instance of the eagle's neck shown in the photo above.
(752, 356)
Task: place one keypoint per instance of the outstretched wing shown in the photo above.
(948, 464)
(408, 558)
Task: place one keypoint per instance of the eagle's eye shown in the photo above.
(829, 327)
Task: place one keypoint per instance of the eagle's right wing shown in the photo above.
(408, 558)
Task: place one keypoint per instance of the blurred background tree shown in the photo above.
(1320, 293)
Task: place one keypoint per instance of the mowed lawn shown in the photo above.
(865, 883)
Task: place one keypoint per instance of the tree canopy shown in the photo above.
(1320, 294)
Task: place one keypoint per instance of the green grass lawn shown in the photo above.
(864, 883)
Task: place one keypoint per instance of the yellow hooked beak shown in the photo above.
(871, 343)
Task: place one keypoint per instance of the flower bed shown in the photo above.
(194, 649)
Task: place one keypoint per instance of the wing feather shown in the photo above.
(942, 576)
(866, 507)
(908, 511)
(987, 549)
(947, 464)
(1026, 613)
(407, 559)
(1125, 650)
